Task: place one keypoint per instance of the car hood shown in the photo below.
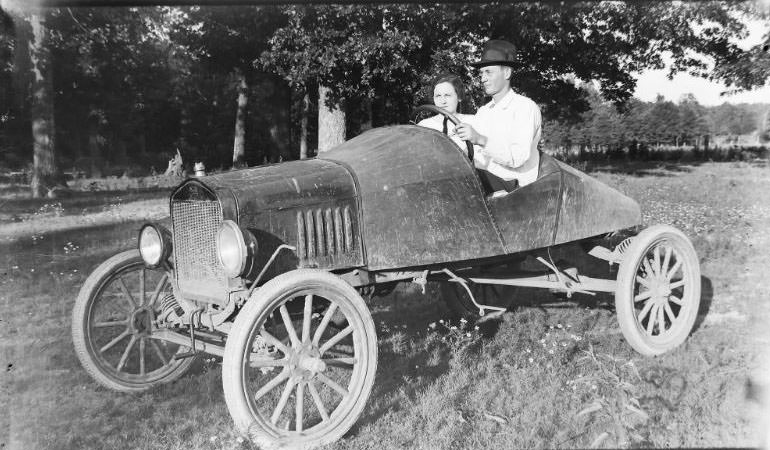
(284, 185)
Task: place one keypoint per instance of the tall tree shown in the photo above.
(304, 112)
(115, 74)
(764, 130)
(731, 119)
(692, 126)
(226, 40)
(239, 141)
(347, 51)
(606, 42)
(45, 173)
(331, 119)
(7, 45)
(15, 132)
(660, 122)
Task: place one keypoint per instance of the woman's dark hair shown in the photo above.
(456, 82)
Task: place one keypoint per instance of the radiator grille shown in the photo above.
(324, 232)
(198, 270)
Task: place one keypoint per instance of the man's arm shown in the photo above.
(511, 146)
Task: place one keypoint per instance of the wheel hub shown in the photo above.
(661, 292)
(660, 289)
(306, 362)
(141, 321)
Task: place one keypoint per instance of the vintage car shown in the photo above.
(266, 267)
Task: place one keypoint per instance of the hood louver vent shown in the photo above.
(324, 232)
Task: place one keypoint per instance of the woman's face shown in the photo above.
(444, 96)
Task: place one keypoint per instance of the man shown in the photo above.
(507, 129)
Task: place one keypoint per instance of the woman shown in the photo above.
(448, 92)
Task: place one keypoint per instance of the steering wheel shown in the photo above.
(451, 117)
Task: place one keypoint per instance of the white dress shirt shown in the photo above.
(513, 127)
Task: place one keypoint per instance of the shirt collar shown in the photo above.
(505, 101)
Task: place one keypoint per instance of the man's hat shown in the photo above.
(497, 53)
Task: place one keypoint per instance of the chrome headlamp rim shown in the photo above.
(245, 244)
(164, 241)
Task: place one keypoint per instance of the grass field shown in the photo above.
(542, 377)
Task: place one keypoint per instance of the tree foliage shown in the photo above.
(747, 69)
(114, 72)
(14, 130)
(134, 84)
(354, 49)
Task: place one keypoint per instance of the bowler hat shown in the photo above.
(497, 53)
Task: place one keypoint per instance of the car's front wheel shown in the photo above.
(298, 380)
(113, 325)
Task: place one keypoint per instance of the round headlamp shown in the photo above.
(154, 244)
(235, 249)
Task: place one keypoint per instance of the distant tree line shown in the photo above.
(638, 126)
(114, 90)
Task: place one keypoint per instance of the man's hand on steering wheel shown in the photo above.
(466, 132)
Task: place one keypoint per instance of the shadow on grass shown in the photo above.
(406, 366)
(666, 167)
(546, 301)
(644, 168)
(655, 168)
(72, 243)
(77, 202)
(706, 297)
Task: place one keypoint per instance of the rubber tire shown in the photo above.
(626, 279)
(261, 305)
(94, 283)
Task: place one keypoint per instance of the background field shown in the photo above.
(553, 376)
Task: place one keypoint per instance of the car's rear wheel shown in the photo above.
(658, 290)
(299, 381)
(113, 324)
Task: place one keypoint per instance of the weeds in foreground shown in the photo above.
(539, 381)
(615, 405)
(49, 210)
(456, 339)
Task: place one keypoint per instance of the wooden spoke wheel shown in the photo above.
(113, 324)
(658, 290)
(299, 380)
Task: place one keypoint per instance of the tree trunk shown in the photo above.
(303, 125)
(45, 174)
(368, 122)
(117, 149)
(142, 141)
(94, 147)
(239, 142)
(331, 123)
(276, 155)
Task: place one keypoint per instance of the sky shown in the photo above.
(653, 82)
